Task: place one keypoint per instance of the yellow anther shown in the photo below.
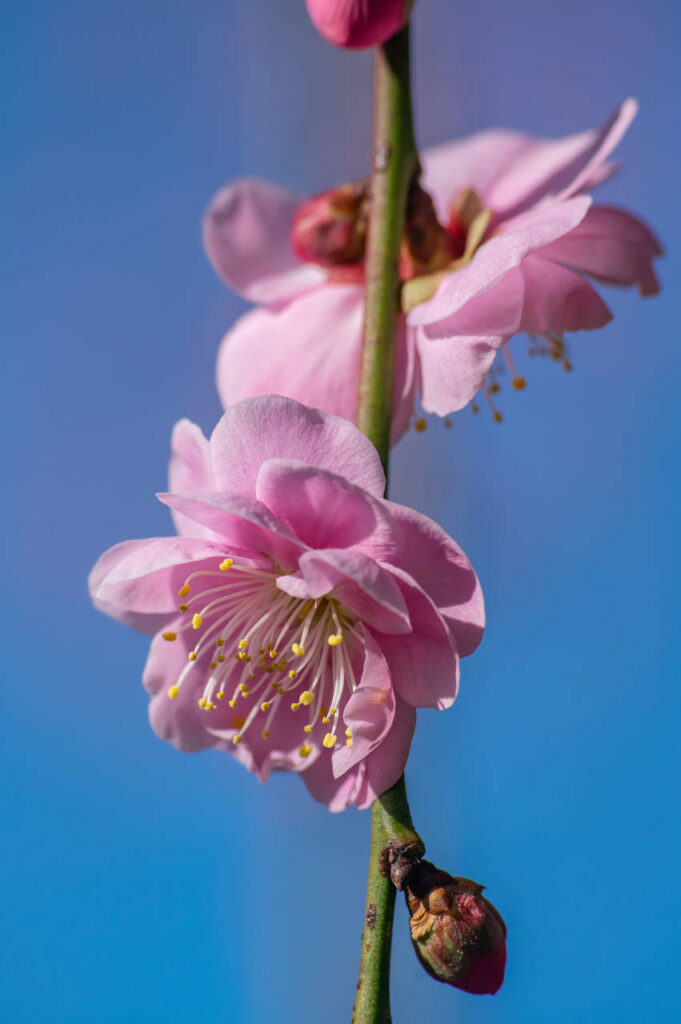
(420, 425)
(174, 692)
(197, 621)
(298, 650)
(221, 658)
(329, 740)
(245, 693)
(305, 750)
(237, 721)
(498, 418)
(448, 423)
(494, 388)
(236, 739)
(243, 688)
(292, 674)
(210, 706)
(295, 706)
(567, 365)
(333, 711)
(265, 706)
(192, 656)
(169, 636)
(243, 643)
(220, 694)
(348, 733)
(475, 407)
(203, 702)
(323, 711)
(348, 742)
(226, 564)
(276, 686)
(265, 734)
(306, 697)
(326, 719)
(335, 639)
(213, 664)
(232, 703)
(307, 728)
(184, 607)
(220, 642)
(518, 383)
(183, 591)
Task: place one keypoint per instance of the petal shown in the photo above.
(246, 234)
(558, 300)
(558, 167)
(274, 427)
(387, 763)
(423, 664)
(243, 525)
(369, 711)
(137, 582)
(323, 509)
(611, 245)
(356, 581)
(496, 311)
(189, 471)
(180, 721)
(475, 162)
(452, 370)
(337, 794)
(501, 253)
(442, 570)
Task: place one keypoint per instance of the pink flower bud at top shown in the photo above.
(330, 229)
(459, 937)
(357, 24)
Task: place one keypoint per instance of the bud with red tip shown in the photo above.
(459, 937)
(330, 228)
(357, 24)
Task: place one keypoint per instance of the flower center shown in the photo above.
(267, 651)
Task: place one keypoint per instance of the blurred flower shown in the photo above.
(458, 936)
(359, 23)
(298, 618)
(500, 239)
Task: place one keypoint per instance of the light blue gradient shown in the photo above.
(141, 885)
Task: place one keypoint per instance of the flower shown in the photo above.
(459, 937)
(512, 241)
(298, 618)
(357, 24)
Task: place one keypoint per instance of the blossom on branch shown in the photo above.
(501, 237)
(298, 618)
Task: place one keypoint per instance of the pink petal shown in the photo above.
(337, 794)
(558, 300)
(180, 721)
(453, 370)
(442, 570)
(189, 471)
(387, 763)
(369, 711)
(137, 582)
(495, 258)
(357, 581)
(245, 526)
(611, 245)
(558, 167)
(423, 664)
(246, 234)
(309, 350)
(496, 311)
(323, 509)
(273, 427)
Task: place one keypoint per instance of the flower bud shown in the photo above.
(459, 937)
(330, 228)
(357, 24)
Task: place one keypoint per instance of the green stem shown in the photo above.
(394, 163)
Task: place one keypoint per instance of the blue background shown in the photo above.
(141, 885)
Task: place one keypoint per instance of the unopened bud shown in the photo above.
(357, 24)
(330, 228)
(459, 937)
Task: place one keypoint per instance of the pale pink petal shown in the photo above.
(453, 370)
(495, 258)
(246, 234)
(137, 582)
(274, 427)
(356, 581)
(558, 300)
(441, 568)
(369, 711)
(387, 763)
(423, 664)
(189, 471)
(309, 350)
(558, 167)
(496, 311)
(337, 794)
(180, 721)
(244, 525)
(613, 246)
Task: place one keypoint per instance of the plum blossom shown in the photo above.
(357, 24)
(298, 618)
(514, 242)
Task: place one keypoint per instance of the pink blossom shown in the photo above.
(298, 618)
(524, 239)
(357, 24)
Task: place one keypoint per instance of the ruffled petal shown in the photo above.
(180, 721)
(453, 370)
(274, 427)
(369, 711)
(558, 300)
(189, 472)
(247, 237)
(387, 763)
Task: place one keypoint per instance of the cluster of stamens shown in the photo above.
(290, 652)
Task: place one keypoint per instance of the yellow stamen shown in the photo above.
(174, 692)
(183, 591)
(169, 636)
(202, 702)
(295, 706)
(184, 607)
(306, 697)
(307, 728)
(335, 639)
(192, 656)
(292, 674)
(265, 734)
(232, 703)
(220, 642)
(221, 658)
(265, 706)
(348, 733)
(236, 739)
(197, 621)
(298, 650)
(220, 694)
(420, 425)
(213, 664)
(518, 383)
(226, 564)
(243, 643)
(329, 740)
(305, 750)
(333, 711)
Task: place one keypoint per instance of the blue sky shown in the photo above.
(138, 884)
